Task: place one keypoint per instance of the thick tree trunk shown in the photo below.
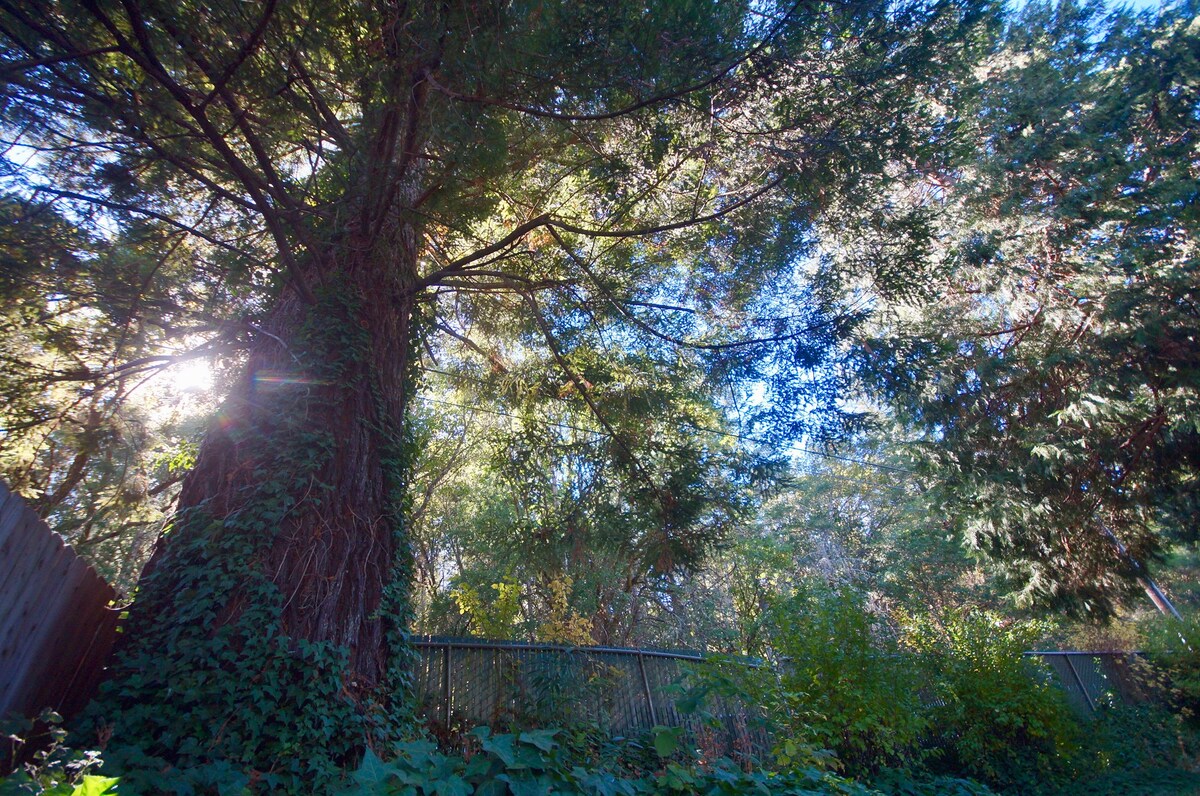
(332, 553)
(268, 629)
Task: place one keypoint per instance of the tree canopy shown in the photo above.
(1053, 378)
(627, 256)
(317, 190)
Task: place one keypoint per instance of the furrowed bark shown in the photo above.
(283, 586)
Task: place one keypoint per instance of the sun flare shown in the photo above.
(191, 376)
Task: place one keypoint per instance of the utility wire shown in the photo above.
(498, 413)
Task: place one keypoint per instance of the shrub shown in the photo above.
(38, 761)
(495, 618)
(993, 714)
(837, 684)
(1174, 647)
(1144, 748)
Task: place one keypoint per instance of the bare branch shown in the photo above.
(491, 356)
(547, 220)
(21, 66)
(128, 208)
(584, 388)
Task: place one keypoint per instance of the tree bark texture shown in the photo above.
(330, 557)
(283, 584)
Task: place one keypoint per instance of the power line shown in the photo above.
(801, 449)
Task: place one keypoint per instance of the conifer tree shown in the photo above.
(357, 174)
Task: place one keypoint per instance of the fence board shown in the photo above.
(55, 625)
(7, 501)
(81, 684)
(26, 552)
(13, 514)
(63, 608)
(39, 621)
(21, 605)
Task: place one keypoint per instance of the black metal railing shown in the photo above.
(1092, 679)
(465, 682)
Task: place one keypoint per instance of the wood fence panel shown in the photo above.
(56, 626)
(26, 552)
(35, 621)
(7, 503)
(62, 609)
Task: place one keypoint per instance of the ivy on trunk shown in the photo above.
(333, 172)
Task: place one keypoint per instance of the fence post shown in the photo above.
(1091, 705)
(446, 682)
(646, 685)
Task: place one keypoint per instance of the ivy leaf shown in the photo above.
(525, 785)
(542, 739)
(502, 747)
(96, 786)
(453, 785)
(666, 740)
(371, 774)
(601, 783)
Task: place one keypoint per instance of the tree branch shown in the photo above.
(584, 389)
(657, 99)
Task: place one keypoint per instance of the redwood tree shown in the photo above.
(348, 171)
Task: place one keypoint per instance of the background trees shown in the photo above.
(96, 451)
(1052, 375)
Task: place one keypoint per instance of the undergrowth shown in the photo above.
(545, 762)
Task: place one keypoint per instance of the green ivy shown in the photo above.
(546, 762)
(200, 703)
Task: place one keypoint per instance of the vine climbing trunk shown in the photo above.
(266, 646)
(273, 613)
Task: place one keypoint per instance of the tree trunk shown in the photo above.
(268, 631)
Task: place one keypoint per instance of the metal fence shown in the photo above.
(55, 624)
(56, 629)
(1093, 679)
(462, 683)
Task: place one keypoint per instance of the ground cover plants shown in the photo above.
(941, 705)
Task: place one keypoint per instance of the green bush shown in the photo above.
(993, 714)
(1173, 646)
(838, 684)
(1137, 749)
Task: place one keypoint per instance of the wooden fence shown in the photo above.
(56, 626)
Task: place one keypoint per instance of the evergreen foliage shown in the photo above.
(656, 243)
(1050, 375)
